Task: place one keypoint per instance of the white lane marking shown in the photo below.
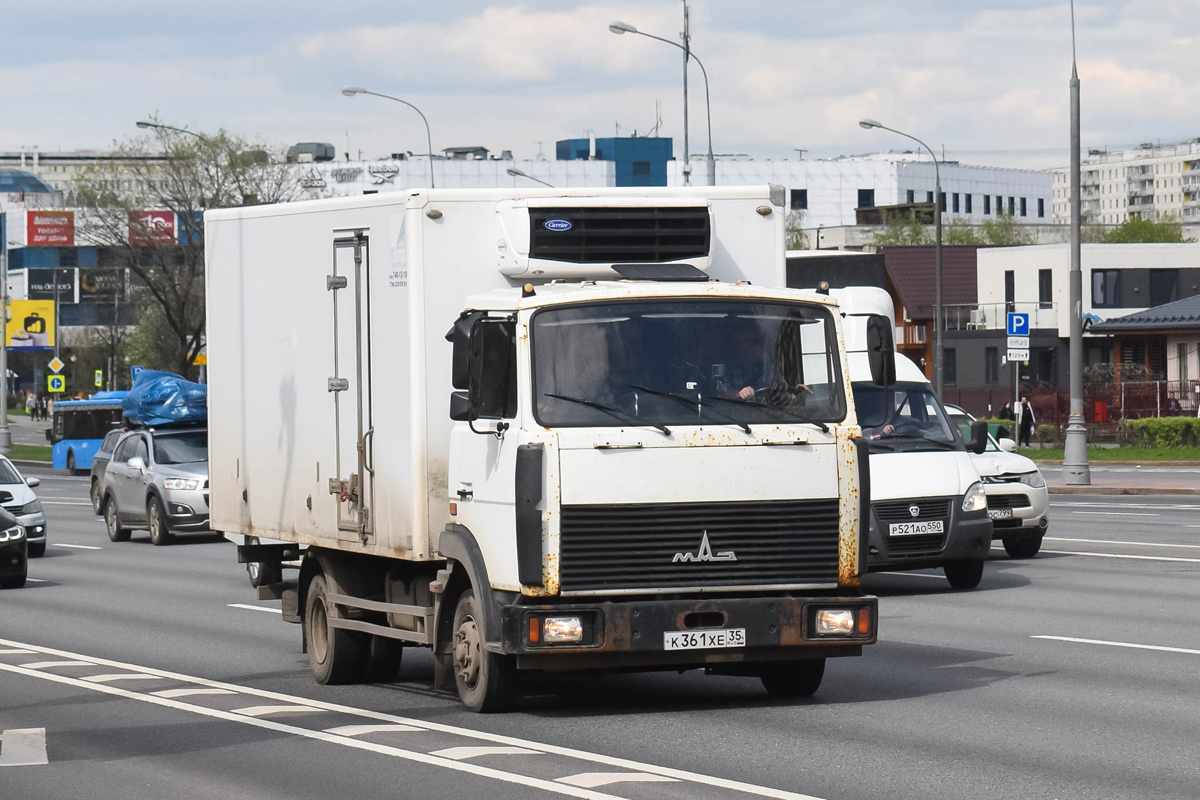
(567, 752)
(76, 546)
(1120, 644)
(266, 711)
(1137, 544)
(249, 607)
(591, 780)
(1149, 506)
(44, 664)
(1121, 555)
(914, 575)
(279, 727)
(362, 730)
(173, 693)
(17, 651)
(23, 747)
(37, 580)
(62, 503)
(121, 676)
(1117, 513)
(461, 753)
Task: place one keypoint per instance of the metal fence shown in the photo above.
(1103, 403)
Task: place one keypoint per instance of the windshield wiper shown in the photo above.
(739, 401)
(926, 440)
(690, 402)
(611, 411)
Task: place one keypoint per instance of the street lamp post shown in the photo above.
(686, 47)
(516, 173)
(144, 124)
(938, 377)
(350, 91)
(5, 431)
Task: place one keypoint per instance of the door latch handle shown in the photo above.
(465, 494)
(339, 384)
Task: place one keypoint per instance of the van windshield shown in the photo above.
(693, 362)
(904, 414)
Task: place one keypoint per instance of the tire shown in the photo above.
(1026, 547)
(964, 574)
(793, 678)
(37, 550)
(156, 521)
(15, 582)
(382, 663)
(70, 462)
(484, 680)
(262, 573)
(97, 497)
(336, 655)
(115, 532)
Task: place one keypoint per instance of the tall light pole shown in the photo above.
(516, 173)
(350, 91)
(686, 47)
(938, 376)
(5, 431)
(1076, 471)
(144, 124)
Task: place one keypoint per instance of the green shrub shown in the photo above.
(1163, 432)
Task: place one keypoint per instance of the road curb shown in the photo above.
(25, 462)
(1125, 490)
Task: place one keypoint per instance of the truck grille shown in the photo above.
(898, 511)
(1008, 501)
(623, 547)
(914, 546)
(619, 235)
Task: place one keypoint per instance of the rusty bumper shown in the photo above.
(630, 634)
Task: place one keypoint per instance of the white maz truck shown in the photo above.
(629, 452)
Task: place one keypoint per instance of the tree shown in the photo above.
(185, 174)
(903, 229)
(960, 231)
(1133, 230)
(1005, 230)
(794, 236)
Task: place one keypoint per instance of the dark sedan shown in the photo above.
(14, 557)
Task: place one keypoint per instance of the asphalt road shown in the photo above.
(156, 674)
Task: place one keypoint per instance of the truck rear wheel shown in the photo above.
(965, 573)
(335, 655)
(1027, 547)
(793, 678)
(383, 660)
(484, 680)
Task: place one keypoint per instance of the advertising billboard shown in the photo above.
(50, 228)
(99, 285)
(32, 325)
(41, 284)
(152, 228)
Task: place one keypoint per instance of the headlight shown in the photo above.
(559, 630)
(835, 621)
(181, 483)
(32, 507)
(12, 534)
(975, 499)
(1033, 479)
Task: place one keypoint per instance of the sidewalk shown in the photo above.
(28, 431)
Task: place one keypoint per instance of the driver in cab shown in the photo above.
(747, 378)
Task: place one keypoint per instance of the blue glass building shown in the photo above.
(640, 161)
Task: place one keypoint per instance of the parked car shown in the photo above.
(157, 480)
(1016, 491)
(18, 498)
(14, 559)
(99, 465)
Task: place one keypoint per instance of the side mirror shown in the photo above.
(33, 482)
(979, 437)
(493, 384)
(881, 350)
(137, 463)
(1007, 445)
(460, 337)
(460, 406)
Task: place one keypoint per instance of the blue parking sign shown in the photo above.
(1018, 324)
(134, 372)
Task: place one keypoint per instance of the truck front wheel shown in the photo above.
(335, 654)
(484, 680)
(965, 573)
(793, 678)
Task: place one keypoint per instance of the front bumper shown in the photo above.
(965, 536)
(187, 509)
(35, 526)
(1029, 506)
(14, 559)
(630, 635)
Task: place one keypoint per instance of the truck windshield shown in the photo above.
(694, 362)
(903, 414)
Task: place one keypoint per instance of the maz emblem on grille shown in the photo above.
(705, 553)
(557, 225)
(914, 510)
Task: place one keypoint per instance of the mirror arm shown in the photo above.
(501, 427)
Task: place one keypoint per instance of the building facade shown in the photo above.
(1148, 182)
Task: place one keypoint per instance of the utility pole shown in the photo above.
(687, 54)
(1076, 471)
(5, 431)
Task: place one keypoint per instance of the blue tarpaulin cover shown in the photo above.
(163, 398)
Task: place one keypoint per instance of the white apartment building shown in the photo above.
(1149, 182)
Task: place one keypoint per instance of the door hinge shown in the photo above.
(339, 384)
(335, 282)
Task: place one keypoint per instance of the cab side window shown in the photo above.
(125, 451)
(140, 450)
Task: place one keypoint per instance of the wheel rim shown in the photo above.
(319, 630)
(110, 517)
(255, 570)
(155, 519)
(96, 494)
(467, 654)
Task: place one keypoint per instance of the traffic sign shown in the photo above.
(99, 377)
(1018, 355)
(135, 371)
(56, 364)
(1018, 324)
(1018, 343)
(56, 383)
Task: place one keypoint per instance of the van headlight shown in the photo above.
(1033, 479)
(181, 483)
(975, 499)
(12, 534)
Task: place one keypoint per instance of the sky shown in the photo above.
(987, 80)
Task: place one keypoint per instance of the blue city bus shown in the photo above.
(80, 426)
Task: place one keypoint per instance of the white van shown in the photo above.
(928, 505)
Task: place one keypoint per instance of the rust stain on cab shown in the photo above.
(848, 509)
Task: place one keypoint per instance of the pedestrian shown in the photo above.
(1174, 409)
(42, 408)
(1025, 422)
(30, 406)
(1006, 414)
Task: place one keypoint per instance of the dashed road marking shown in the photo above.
(62, 503)
(23, 747)
(361, 730)
(121, 676)
(249, 607)
(463, 753)
(1118, 513)
(76, 546)
(1120, 644)
(266, 711)
(16, 651)
(1135, 544)
(173, 693)
(37, 580)
(45, 664)
(1123, 555)
(591, 780)
(914, 575)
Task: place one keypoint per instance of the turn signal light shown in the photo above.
(535, 630)
(864, 621)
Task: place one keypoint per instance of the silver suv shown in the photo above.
(157, 480)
